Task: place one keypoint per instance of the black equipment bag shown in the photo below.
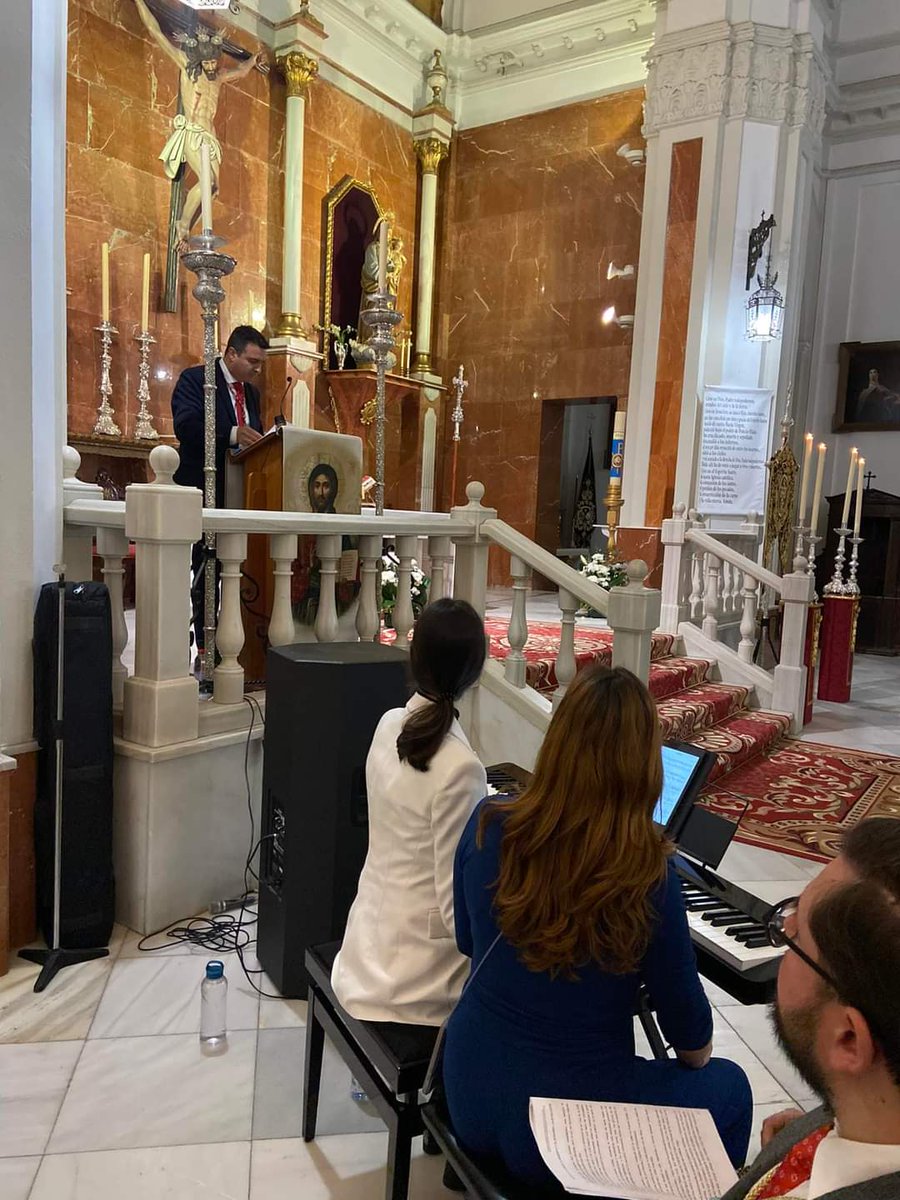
(87, 889)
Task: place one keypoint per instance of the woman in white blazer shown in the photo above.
(398, 960)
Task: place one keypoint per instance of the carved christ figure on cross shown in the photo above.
(202, 76)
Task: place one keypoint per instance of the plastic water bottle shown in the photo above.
(356, 1091)
(213, 1004)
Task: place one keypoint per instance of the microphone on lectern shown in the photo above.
(281, 419)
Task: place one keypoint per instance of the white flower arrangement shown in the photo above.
(604, 574)
(390, 579)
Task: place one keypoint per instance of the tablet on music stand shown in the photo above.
(686, 769)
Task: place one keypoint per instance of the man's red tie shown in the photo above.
(795, 1167)
(239, 406)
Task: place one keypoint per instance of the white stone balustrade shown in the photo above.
(403, 609)
(283, 551)
(369, 608)
(328, 549)
(228, 676)
(711, 598)
(517, 634)
(566, 666)
(440, 552)
(112, 546)
(77, 539)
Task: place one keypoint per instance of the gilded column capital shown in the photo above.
(431, 152)
(299, 71)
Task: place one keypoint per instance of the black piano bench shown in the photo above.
(479, 1179)
(389, 1060)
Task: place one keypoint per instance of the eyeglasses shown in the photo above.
(775, 922)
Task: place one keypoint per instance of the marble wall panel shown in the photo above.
(681, 227)
(537, 209)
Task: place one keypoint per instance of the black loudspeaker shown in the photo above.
(87, 887)
(323, 703)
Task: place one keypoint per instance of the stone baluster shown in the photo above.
(748, 620)
(283, 550)
(729, 587)
(163, 520)
(440, 551)
(711, 598)
(78, 540)
(471, 566)
(517, 635)
(565, 659)
(633, 614)
(112, 546)
(328, 549)
(368, 610)
(789, 691)
(228, 676)
(676, 579)
(403, 609)
(695, 602)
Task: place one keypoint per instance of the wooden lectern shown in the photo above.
(278, 472)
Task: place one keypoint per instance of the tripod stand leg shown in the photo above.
(52, 961)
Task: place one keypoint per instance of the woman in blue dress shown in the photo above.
(575, 878)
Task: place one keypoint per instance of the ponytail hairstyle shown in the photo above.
(446, 657)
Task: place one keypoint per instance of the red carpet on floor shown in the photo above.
(803, 796)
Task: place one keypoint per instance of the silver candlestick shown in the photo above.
(105, 422)
(209, 265)
(852, 587)
(813, 542)
(836, 586)
(460, 383)
(381, 316)
(801, 533)
(144, 428)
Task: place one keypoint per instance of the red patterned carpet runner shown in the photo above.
(800, 797)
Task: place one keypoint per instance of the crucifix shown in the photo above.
(460, 383)
(868, 477)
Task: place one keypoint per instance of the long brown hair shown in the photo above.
(580, 854)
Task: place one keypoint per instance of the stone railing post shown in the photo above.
(78, 540)
(566, 663)
(633, 615)
(471, 570)
(789, 692)
(515, 666)
(328, 549)
(283, 551)
(676, 577)
(112, 546)
(404, 617)
(163, 520)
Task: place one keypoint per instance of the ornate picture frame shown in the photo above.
(338, 309)
(868, 396)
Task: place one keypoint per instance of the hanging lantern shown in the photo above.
(765, 308)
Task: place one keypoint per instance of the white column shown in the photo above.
(431, 152)
(789, 692)
(566, 666)
(163, 520)
(470, 568)
(299, 71)
(367, 613)
(517, 634)
(403, 609)
(328, 548)
(440, 552)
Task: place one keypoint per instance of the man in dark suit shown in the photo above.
(238, 424)
(836, 1017)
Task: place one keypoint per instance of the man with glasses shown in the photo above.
(837, 1017)
(238, 424)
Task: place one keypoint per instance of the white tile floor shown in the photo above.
(104, 1093)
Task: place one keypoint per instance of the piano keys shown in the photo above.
(726, 922)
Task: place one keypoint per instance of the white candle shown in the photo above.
(104, 280)
(205, 186)
(817, 490)
(848, 490)
(804, 482)
(382, 256)
(145, 294)
(857, 518)
(619, 425)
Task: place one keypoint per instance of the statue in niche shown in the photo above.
(396, 264)
(369, 283)
(197, 53)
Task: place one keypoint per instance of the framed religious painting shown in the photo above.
(868, 387)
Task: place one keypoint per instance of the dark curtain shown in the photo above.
(586, 502)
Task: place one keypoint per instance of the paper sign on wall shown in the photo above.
(734, 444)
